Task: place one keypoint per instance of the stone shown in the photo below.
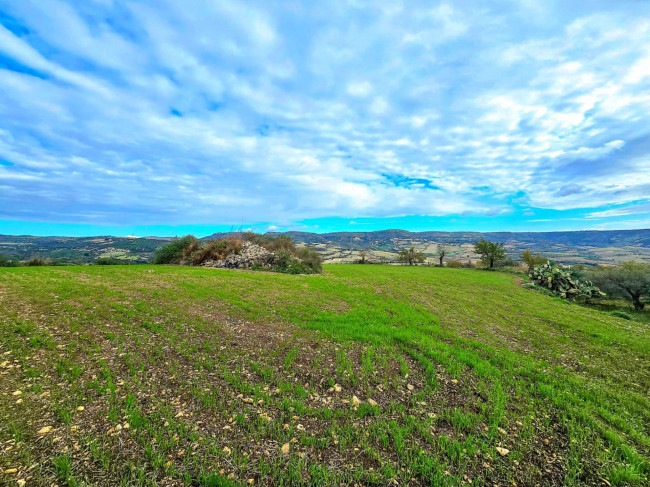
(250, 255)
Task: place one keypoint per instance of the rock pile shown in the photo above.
(251, 255)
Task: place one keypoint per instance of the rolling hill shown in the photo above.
(588, 247)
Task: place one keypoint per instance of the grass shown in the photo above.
(367, 375)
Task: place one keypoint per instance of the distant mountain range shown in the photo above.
(590, 247)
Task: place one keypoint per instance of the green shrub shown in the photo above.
(621, 314)
(6, 262)
(563, 282)
(174, 251)
(109, 261)
(532, 260)
(455, 264)
(311, 260)
(289, 264)
(35, 262)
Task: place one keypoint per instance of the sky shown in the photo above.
(159, 117)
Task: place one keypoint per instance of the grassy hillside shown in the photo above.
(365, 375)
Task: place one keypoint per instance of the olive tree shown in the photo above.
(363, 254)
(410, 256)
(628, 281)
(532, 260)
(490, 252)
(442, 251)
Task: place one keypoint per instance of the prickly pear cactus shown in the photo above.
(563, 282)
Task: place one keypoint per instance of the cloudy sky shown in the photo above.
(164, 117)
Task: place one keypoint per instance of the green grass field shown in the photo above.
(365, 375)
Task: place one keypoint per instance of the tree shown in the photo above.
(490, 252)
(442, 251)
(362, 256)
(532, 260)
(411, 256)
(629, 281)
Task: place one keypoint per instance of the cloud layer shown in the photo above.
(162, 112)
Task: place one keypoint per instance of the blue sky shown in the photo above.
(164, 117)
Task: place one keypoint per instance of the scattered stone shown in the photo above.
(45, 430)
(285, 449)
(410, 387)
(250, 255)
(502, 451)
(372, 402)
(355, 401)
(11, 470)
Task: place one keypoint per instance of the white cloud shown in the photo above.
(234, 111)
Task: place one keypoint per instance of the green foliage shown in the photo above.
(36, 262)
(289, 258)
(630, 281)
(491, 252)
(532, 260)
(6, 262)
(110, 261)
(307, 261)
(563, 282)
(174, 251)
(410, 256)
(621, 314)
(311, 260)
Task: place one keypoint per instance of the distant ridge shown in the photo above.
(571, 247)
(590, 238)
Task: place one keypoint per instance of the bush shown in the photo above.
(311, 260)
(532, 260)
(174, 251)
(306, 261)
(455, 264)
(35, 262)
(563, 282)
(109, 261)
(621, 314)
(6, 262)
(507, 262)
(214, 250)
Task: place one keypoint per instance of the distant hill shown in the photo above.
(80, 249)
(589, 247)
